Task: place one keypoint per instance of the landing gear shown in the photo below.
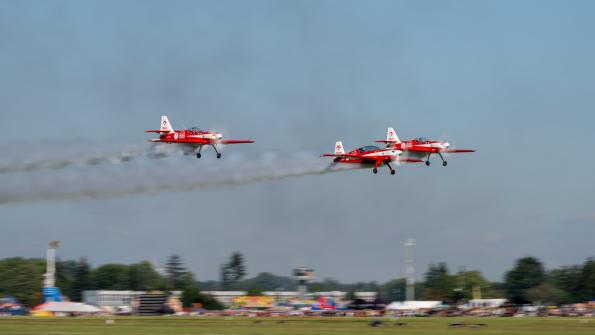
(198, 155)
(218, 154)
(427, 163)
(443, 161)
(392, 171)
(376, 165)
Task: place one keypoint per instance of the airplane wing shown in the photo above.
(156, 131)
(372, 159)
(409, 160)
(233, 141)
(435, 150)
(346, 156)
(458, 150)
(202, 141)
(422, 149)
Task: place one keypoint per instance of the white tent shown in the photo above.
(412, 305)
(67, 307)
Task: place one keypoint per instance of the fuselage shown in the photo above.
(368, 154)
(189, 134)
(422, 145)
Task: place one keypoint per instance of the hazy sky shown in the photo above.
(513, 79)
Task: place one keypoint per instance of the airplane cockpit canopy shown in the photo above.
(368, 148)
(422, 139)
(194, 130)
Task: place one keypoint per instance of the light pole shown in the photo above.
(409, 269)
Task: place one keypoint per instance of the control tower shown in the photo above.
(303, 275)
(50, 291)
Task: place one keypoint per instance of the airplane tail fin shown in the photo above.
(339, 148)
(165, 125)
(391, 136)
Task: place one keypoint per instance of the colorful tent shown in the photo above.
(67, 307)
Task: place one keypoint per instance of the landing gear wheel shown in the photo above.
(427, 163)
(444, 163)
(392, 171)
(218, 155)
(198, 155)
(375, 170)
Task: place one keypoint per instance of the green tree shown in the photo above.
(266, 281)
(22, 278)
(467, 281)
(175, 270)
(567, 279)
(144, 277)
(350, 295)
(527, 273)
(237, 267)
(209, 302)
(587, 281)
(254, 291)
(439, 284)
(225, 277)
(364, 286)
(546, 293)
(496, 290)
(393, 290)
(191, 294)
(190, 291)
(111, 277)
(328, 284)
(65, 271)
(81, 280)
(233, 271)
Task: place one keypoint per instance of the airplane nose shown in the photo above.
(446, 144)
(219, 136)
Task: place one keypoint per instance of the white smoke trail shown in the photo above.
(144, 177)
(82, 158)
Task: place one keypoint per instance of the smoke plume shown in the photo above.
(97, 176)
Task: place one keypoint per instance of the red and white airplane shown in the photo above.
(419, 148)
(369, 156)
(193, 138)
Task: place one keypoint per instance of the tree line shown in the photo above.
(526, 282)
(22, 278)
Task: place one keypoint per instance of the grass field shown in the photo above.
(342, 326)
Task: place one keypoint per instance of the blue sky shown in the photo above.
(512, 79)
